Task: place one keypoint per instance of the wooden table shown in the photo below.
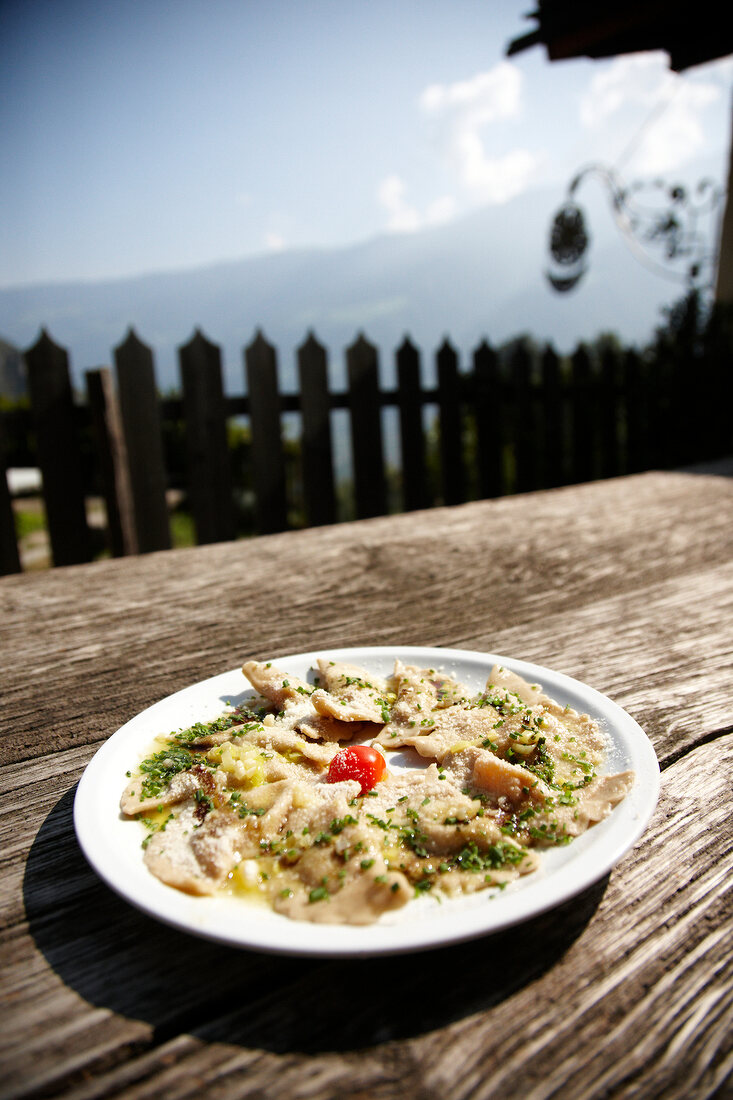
(624, 991)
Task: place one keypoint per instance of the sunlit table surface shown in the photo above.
(625, 990)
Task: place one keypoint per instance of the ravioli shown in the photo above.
(245, 805)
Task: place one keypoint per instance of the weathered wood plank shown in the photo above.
(112, 462)
(142, 429)
(318, 486)
(640, 964)
(370, 486)
(59, 455)
(268, 461)
(624, 991)
(534, 580)
(209, 466)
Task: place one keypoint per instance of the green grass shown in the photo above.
(183, 531)
(28, 522)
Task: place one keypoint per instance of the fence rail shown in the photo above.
(503, 424)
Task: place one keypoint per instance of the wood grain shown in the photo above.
(574, 579)
(625, 991)
(554, 1007)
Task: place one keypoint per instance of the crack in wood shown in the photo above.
(685, 750)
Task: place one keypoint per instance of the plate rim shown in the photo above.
(493, 912)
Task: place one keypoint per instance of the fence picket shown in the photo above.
(412, 436)
(142, 430)
(525, 421)
(114, 471)
(59, 454)
(537, 424)
(370, 488)
(209, 468)
(317, 448)
(450, 405)
(268, 463)
(489, 422)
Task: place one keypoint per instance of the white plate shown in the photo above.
(111, 843)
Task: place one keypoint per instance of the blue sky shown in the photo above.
(150, 135)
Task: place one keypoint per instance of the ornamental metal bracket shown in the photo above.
(663, 225)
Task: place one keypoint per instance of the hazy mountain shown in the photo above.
(481, 276)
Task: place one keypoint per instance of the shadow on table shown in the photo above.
(119, 959)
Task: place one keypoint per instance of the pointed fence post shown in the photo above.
(316, 440)
(209, 466)
(412, 436)
(112, 458)
(268, 461)
(142, 429)
(451, 425)
(59, 452)
(489, 421)
(370, 487)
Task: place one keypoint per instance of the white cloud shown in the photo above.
(275, 242)
(406, 218)
(649, 115)
(484, 98)
(639, 79)
(403, 218)
(495, 179)
(441, 210)
(462, 112)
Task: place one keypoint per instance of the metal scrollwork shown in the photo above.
(661, 223)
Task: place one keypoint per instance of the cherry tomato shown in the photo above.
(360, 762)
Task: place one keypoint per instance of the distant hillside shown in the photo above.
(478, 277)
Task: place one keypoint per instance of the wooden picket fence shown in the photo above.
(503, 425)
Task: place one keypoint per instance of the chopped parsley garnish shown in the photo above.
(159, 769)
(495, 855)
(410, 844)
